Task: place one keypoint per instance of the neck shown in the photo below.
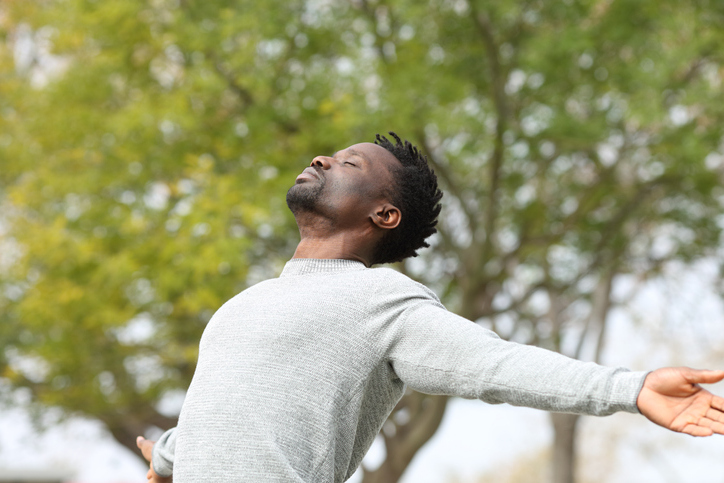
(332, 247)
(323, 241)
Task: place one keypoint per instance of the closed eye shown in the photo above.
(351, 164)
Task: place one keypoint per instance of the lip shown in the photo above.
(308, 173)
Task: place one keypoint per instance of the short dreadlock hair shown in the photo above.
(417, 196)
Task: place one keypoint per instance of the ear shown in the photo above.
(386, 216)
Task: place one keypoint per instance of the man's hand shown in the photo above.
(146, 447)
(672, 398)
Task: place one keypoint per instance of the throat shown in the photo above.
(335, 247)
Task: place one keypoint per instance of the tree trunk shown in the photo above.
(564, 447)
(404, 436)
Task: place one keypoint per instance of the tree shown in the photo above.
(600, 157)
(145, 148)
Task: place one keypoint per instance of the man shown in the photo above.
(296, 375)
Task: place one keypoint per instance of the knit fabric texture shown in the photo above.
(297, 374)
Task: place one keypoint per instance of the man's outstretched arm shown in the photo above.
(673, 398)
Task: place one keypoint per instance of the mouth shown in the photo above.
(308, 173)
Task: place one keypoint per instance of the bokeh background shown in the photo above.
(146, 147)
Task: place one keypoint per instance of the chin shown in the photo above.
(303, 197)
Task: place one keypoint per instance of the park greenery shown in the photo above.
(146, 147)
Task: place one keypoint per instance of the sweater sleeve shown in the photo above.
(437, 352)
(163, 453)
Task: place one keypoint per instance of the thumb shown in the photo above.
(703, 376)
(146, 447)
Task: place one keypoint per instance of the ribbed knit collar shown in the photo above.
(303, 266)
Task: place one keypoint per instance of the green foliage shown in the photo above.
(145, 149)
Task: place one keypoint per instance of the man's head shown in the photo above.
(383, 197)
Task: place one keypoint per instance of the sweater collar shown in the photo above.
(303, 266)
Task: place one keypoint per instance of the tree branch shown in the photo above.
(600, 306)
(444, 173)
(244, 95)
(485, 28)
(365, 7)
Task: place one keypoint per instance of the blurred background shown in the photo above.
(146, 147)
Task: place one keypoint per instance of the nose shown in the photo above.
(322, 162)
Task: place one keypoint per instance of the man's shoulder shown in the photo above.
(387, 275)
(390, 280)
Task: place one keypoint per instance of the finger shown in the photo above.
(715, 415)
(717, 428)
(717, 402)
(695, 430)
(698, 376)
(715, 425)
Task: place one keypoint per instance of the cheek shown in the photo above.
(372, 185)
(356, 188)
(363, 193)
(350, 201)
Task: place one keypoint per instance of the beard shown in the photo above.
(303, 198)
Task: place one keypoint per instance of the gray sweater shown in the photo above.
(296, 375)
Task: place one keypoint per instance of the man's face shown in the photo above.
(344, 188)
